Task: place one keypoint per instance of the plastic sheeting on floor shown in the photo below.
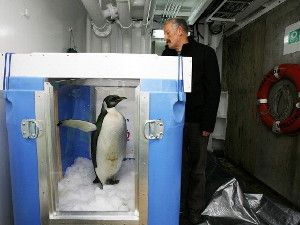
(230, 206)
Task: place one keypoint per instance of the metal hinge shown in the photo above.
(30, 128)
(154, 129)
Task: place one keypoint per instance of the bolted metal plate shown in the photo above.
(154, 129)
(30, 128)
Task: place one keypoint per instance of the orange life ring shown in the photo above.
(292, 123)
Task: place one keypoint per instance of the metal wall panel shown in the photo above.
(119, 41)
(248, 55)
(41, 25)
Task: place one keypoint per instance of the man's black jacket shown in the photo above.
(202, 103)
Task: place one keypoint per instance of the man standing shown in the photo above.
(200, 115)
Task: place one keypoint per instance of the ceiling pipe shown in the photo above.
(216, 10)
(123, 7)
(165, 9)
(198, 10)
(211, 17)
(168, 10)
(148, 13)
(252, 18)
(178, 7)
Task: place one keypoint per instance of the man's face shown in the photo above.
(171, 35)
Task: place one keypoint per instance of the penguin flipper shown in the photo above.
(79, 124)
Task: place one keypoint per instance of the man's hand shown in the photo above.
(205, 133)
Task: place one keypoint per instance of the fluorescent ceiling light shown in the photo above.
(158, 34)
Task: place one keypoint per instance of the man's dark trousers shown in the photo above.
(193, 168)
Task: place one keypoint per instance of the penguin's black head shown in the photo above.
(112, 100)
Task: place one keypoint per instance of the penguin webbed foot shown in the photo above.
(112, 181)
(96, 181)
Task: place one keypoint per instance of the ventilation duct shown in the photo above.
(95, 12)
(148, 12)
(100, 26)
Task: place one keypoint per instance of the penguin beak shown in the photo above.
(122, 98)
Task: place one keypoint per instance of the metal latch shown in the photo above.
(30, 128)
(154, 129)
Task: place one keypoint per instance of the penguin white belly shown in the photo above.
(111, 145)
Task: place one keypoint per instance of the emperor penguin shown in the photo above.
(108, 141)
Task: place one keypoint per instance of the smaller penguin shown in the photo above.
(108, 141)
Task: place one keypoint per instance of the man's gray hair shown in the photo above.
(178, 22)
